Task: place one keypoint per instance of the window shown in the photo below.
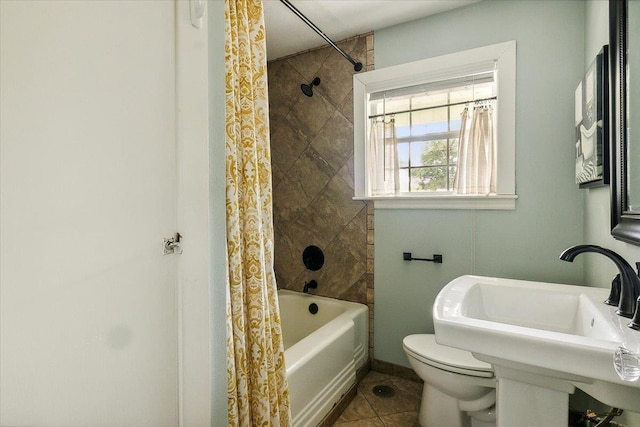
(426, 122)
(408, 122)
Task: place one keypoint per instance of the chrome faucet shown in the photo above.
(629, 280)
(312, 284)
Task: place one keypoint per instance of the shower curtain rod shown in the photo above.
(357, 66)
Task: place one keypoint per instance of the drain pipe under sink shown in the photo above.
(606, 421)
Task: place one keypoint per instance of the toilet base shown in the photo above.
(486, 418)
(438, 409)
(476, 423)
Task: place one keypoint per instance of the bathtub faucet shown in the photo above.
(312, 284)
(629, 280)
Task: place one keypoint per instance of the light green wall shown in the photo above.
(524, 243)
(557, 40)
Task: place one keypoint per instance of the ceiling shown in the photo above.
(339, 19)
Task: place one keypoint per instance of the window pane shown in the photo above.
(453, 151)
(429, 178)
(456, 112)
(403, 154)
(430, 153)
(452, 176)
(484, 90)
(472, 92)
(417, 152)
(429, 100)
(376, 107)
(396, 104)
(418, 128)
(402, 125)
(429, 121)
(404, 180)
(462, 94)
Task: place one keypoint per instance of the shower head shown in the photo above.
(308, 89)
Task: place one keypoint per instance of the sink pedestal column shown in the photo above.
(528, 399)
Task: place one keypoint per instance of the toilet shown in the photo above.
(459, 390)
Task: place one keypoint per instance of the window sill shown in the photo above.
(489, 202)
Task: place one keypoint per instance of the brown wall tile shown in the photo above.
(312, 155)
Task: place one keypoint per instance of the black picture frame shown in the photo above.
(592, 124)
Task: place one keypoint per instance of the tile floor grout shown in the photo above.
(369, 410)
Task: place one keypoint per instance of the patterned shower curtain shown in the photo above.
(256, 378)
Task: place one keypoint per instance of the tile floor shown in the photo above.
(369, 410)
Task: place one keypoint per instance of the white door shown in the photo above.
(88, 324)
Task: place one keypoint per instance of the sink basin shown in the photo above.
(554, 308)
(560, 332)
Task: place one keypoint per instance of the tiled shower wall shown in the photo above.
(312, 163)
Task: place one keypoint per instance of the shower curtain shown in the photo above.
(256, 378)
(477, 154)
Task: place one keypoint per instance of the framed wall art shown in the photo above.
(592, 124)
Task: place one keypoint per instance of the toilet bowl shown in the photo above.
(459, 390)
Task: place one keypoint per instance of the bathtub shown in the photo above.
(323, 351)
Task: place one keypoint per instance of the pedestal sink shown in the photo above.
(543, 340)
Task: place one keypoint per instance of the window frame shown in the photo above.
(432, 70)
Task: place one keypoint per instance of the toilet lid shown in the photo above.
(424, 347)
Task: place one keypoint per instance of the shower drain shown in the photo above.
(383, 391)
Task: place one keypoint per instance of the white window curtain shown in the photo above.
(477, 152)
(383, 152)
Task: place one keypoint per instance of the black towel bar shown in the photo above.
(437, 258)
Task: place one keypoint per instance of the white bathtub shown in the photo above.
(322, 352)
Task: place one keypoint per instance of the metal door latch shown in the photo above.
(172, 245)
